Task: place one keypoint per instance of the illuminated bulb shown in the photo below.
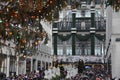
(39, 41)
(49, 12)
(7, 9)
(41, 16)
(24, 41)
(39, 10)
(25, 19)
(37, 19)
(22, 46)
(10, 33)
(117, 8)
(118, 1)
(6, 24)
(0, 21)
(50, 2)
(24, 56)
(29, 24)
(16, 12)
(32, 16)
(0, 36)
(36, 43)
(6, 29)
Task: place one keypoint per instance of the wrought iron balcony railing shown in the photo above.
(81, 25)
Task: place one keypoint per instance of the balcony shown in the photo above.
(82, 25)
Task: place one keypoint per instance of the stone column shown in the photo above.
(41, 65)
(102, 52)
(45, 64)
(8, 65)
(2, 65)
(25, 66)
(31, 65)
(36, 65)
(5, 66)
(17, 65)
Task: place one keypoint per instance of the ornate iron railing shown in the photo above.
(81, 25)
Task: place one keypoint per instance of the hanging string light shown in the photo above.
(20, 21)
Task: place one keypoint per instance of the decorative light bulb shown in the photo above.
(36, 43)
(25, 56)
(10, 33)
(1, 21)
(51, 2)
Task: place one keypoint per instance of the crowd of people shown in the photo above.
(92, 74)
(35, 75)
(87, 74)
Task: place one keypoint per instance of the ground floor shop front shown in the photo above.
(11, 65)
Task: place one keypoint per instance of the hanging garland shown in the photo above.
(100, 37)
(114, 3)
(82, 38)
(64, 38)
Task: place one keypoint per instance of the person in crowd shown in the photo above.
(98, 78)
(25, 77)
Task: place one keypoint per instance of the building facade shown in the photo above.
(81, 32)
(40, 58)
(112, 41)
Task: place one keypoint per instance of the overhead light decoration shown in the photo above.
(20, 21)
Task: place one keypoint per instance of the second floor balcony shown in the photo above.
(81, 24)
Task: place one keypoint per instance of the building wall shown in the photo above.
(116, 23)
(42, 54)
(108, 28)
(115, 44)
(113, 33)
(115, 56)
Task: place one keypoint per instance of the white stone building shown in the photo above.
(42, 58)
(113, 41)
